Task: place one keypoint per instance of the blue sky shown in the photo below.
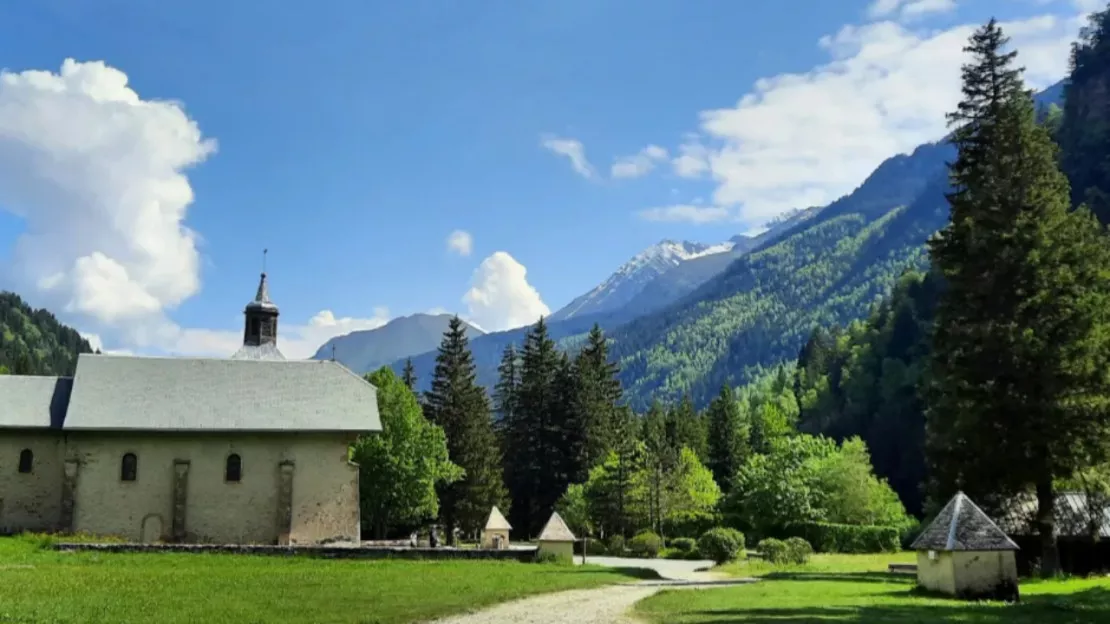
(351, 138)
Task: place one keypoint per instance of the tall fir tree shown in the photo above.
(727, 438)
(539, 439)
(1084, 131)
(686, 428)
(598, 397)
(460, 406)
(1018, 382)
(507, 389)
(408, 375)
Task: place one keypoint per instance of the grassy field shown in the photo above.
(855, 588)
(38, 585)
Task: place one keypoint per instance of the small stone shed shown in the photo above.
(963, 553)
(556, 538)
(496, 533)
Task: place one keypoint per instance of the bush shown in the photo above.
(721, 545)
(616, 545)
(681, 555)
(684, 544)
(594, 547)
(798, 550)
(646, 544)
(848, 538)
(773, 551)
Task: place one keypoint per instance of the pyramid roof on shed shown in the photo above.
(556, 530)
(497, 522)
(961, 525)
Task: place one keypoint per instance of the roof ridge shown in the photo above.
(954, 522)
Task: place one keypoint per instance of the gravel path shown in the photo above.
(603, 605)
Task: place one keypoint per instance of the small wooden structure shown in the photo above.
(556, 538)
(963, 553)
(496, 533)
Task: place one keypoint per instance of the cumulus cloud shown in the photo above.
(96, 173)
(688, 213)
(460, 242)
(573, 150)
(806, 139)
(640, 163)
(296, 341)
(500, 296)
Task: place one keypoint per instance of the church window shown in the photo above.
(234, 470)
(129, 467)
(26, 460)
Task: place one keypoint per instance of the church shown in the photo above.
(251, 449)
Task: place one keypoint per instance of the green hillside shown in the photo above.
(33, 342)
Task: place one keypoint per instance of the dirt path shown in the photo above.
(603, 605)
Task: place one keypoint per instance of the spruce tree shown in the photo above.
(1084, 131)
(598, 397)
(686, 428)
(660, 458)
(1018, 387)
(460, 406)
(408, 375)
(727, 439)
(507, 388)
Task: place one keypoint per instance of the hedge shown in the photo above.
(847, 538)
(645, 544)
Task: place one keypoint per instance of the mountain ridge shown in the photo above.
(367, 350)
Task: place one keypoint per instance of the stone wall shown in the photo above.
(331, 552)
(30, 501)
(300, 487)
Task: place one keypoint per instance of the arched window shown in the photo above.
(26, 460)
(129, 467)
(234, 470)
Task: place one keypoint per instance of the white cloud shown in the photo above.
(640, 163)
(500, 296)
(97, 175)
(573, 150)
(688, 213)
(460, 242)
(908, 9)
(296, 342)
(805, 139)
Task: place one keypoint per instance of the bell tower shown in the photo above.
(260, 325)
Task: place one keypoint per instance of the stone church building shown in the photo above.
(250, 449)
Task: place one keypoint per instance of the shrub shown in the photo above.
(721, 544)
(616, 545)
(848, 538)
(646, 544)
(798, 550)
(690, 523)
(773, 551)
(594, 547)
(684, 544)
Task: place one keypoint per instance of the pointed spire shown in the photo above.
(263, 295)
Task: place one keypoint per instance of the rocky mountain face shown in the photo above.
(368, 350)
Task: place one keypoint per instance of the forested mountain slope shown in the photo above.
(33, 342)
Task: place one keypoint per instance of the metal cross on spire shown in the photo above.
(264, 252)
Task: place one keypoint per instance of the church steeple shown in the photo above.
(260, 324)
(261, 318)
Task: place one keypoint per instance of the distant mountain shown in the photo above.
(631, 277)
(368, 350)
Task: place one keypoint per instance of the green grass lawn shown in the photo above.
(38, 585)
(855, 588)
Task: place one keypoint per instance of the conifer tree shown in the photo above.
(1084, 131)
(597, 398)
(686, 428)
(460, 406)
(408, 375)
(727, 440)
(507, 388)
(660, 459)
(1018, 388)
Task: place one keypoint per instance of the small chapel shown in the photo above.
(250, 449)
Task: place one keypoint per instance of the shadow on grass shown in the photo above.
(644, 574)
(1089, 606)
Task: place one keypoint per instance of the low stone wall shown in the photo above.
(329, 552)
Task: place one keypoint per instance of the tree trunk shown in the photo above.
(379, 530)
(1046, 525)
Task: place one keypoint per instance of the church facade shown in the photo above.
(252, 449)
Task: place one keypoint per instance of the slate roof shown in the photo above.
(497, 522)
(268, 351)
(112, 392)
(32, 402)
(556, 530)
(961, 525)
(1073, 518)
